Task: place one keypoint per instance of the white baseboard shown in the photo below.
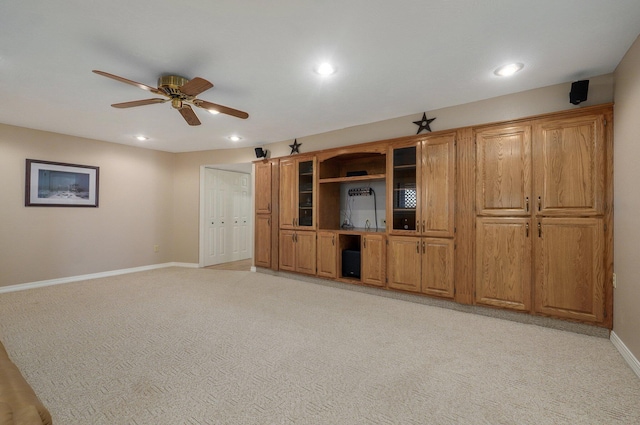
(626, 353)
(42, 283)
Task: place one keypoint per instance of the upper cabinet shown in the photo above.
(422, 187)
(263, 187)
(569, 157)
(297, 183)
(503, 171)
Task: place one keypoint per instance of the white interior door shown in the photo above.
(227, 213)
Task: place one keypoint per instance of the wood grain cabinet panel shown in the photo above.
(570, 166)
(570, 268)
(503, 262)
(373, 259)
(404, 255)
(437, 267)
(262, 254)
(503, 162)
(327, 255)
(438, 181)
(298, 251)
(263, 187)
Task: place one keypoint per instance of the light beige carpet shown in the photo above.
(188, 346)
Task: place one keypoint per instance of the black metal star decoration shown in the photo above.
(295, 147)
(424, 123)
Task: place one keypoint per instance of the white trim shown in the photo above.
(42, 283)
(626, 353)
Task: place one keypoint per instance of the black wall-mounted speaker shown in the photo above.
(579, 90)
(261, 153)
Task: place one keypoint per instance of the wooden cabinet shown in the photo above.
(503, 171)
(570, 166)
(298, 251)
(262, 253)
(297, 188)
(373, 259)
(437, 267)
(540, 197)
(266, 221)
(327, 255)
(503, 262)
(263, 187)
(421, 265)
(404, 255)
(570, 268)
(422, 189)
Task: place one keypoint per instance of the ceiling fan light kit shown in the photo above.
(182, 93)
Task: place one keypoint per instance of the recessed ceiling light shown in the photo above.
(235, 138)
(325, 68)
(142, 138)
(507, 70)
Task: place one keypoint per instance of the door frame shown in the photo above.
(247, 168)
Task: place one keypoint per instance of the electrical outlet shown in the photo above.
(156, 248)
(615, 281)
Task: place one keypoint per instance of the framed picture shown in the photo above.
(56, 184)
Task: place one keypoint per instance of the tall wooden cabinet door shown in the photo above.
(569, 165)
(262, 254)
(287, 250)
(327, 255)
(404, 263)
(373, 259)
(438, 183)
(503, 167)
(503, 262)
(570, 268)
(437, 267)
(288, 193)
(305, 252)
(263, 187)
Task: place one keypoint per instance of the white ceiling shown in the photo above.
(394, 58)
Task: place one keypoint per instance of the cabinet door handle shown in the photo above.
(539, 230)
(527, 203)
(417, 225)
(539, 203)
(268, 222)
(365, 242)
(424, 248)
(293, 237)
(418, 247)
(527, 227)
(269, 206)
(333, 240)
(423, 226)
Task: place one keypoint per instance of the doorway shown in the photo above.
(225, 216)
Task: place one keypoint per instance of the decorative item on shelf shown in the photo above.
(261, 153)
(424, 123)
(295, 147)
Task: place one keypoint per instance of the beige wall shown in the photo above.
(626, 265)
(135, 211)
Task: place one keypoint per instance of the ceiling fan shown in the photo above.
(181, 92)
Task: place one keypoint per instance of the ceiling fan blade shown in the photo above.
(133, 83)
(195, 86)
(139, 103)
(222, 109)
(189, 116)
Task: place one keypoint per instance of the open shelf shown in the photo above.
(370, 177)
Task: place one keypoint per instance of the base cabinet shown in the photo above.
(298, 251)
(570, 268)
(327, 255)
(373, 260)
(503, 262)
(421, 265)
(262, 254)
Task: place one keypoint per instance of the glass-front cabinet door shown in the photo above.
(405, 198)
(305, 193)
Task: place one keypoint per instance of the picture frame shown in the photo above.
(57, 184)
